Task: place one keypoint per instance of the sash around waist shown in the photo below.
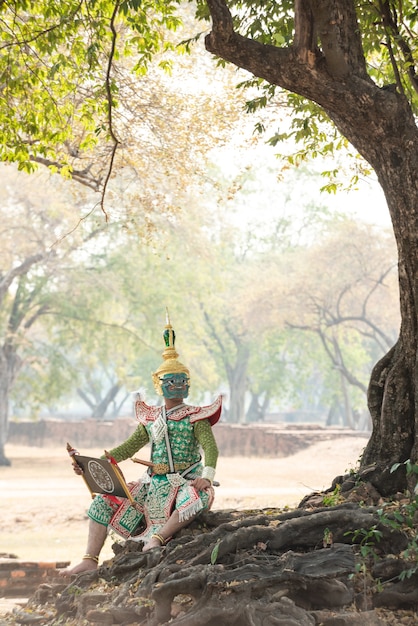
(164, 468)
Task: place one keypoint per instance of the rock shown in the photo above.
(91, 599)
(366, 618)
(99, 617)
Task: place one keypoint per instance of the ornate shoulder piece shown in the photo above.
(212, 412)
(145, 413)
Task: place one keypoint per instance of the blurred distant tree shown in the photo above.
(103, 334)
(333, 283)
(59, 110)
(31, 271)
(343, 288)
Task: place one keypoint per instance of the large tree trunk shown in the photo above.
(380, 125)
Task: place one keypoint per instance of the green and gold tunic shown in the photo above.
(160, 490)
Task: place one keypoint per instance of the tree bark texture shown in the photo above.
(326, 64)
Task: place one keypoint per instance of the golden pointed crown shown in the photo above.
(170, 365)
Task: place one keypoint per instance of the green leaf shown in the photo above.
(214, 553)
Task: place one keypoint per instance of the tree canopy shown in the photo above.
(58, 86)
(98, 92)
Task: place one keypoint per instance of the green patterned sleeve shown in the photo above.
(137, 440)
(204, 435)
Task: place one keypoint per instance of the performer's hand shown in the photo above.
(201, 484)
(77, 469)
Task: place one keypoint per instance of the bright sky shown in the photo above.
(264, 196)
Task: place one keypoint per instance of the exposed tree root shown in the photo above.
(252, 568)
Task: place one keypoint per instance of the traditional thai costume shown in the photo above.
(176, 436)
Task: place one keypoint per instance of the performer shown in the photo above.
(177, 486)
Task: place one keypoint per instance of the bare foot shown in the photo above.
(86, 565)
(152, 543)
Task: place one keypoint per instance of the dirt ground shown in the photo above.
(42, 517)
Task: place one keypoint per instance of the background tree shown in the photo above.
(344, 290)
(30, 277)
(242, 288)
(165, 141)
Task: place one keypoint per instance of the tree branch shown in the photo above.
(41, 311)
(110, 107)
(337, 27)
(335, 24)
(81, 176)
(304, 40)
(390, 23)
(21, 269)
(338, 361)
(316, 76)
(262, 60)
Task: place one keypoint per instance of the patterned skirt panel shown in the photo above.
(155, 501)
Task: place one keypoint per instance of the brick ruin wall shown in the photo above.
(233, 439)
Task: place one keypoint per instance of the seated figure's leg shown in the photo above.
(100, 513)
(170, 528)
(191, 502)
(95, 542)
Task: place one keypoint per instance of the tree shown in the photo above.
(59, 90)
(31, 274)
(355, 65)
(344, 290)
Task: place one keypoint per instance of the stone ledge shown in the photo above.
(19, 578)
